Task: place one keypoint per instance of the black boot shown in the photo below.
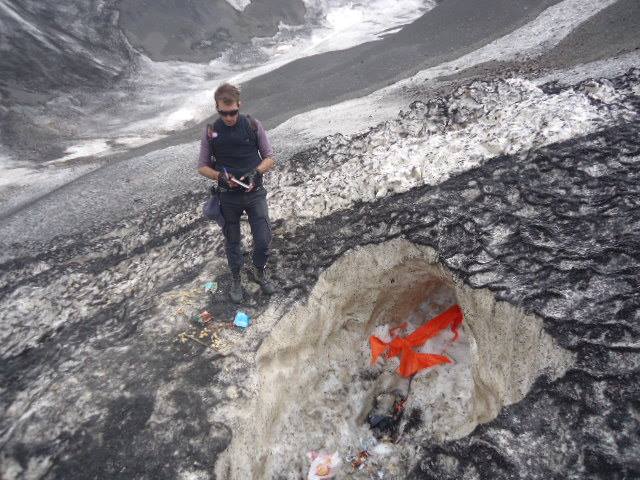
(235, 292)
(262, 279)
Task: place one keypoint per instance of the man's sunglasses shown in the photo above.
(230, 113)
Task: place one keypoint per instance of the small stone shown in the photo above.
(232, 392)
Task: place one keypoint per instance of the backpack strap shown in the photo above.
(254, 128)
(252, 122)
(210, 131)
(210, 136)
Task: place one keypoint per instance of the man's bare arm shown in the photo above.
(209, 173)
(265, 165)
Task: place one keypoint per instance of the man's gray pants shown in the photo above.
(233, 204)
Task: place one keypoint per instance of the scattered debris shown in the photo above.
(242, 320)
(205, 329)
(202, 319)
(384, 418)
(323, 465)
(219, 344)
(358, 462)
(382, 449)
(184, 336)
(211, 333)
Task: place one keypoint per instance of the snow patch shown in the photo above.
(88, 149)
(239, 5)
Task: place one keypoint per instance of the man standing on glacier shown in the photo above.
(236, 153)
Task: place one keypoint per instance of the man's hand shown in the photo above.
(224, 181)
(250, 178)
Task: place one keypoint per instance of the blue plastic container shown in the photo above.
(242, 320)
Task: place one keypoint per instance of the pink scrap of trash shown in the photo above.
(323, 465)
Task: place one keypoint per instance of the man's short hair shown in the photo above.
(227, 94)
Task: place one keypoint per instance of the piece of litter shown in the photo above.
(242, 320)
(184, 336)
(203, 318)
(358, 462)
(384, 418)
(218, 344)
(210, 287)
(382, 449)
(323, 465)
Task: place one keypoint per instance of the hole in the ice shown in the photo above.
(423, 295)
(316, 388)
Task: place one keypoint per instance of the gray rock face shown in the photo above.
(95, 385)
(66, 44)
(201, 30)
(49, 48)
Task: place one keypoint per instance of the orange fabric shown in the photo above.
(412, 362)
(378, 347)
(451, 316)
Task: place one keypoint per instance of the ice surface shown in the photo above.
(433, 140)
